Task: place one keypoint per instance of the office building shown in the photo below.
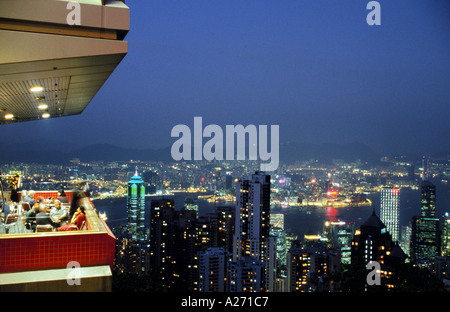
(424, 240)
(136, 208)
(390, 210)
(425, 234)
(339, 235)
(428, 200)
(372, 242)
(445, 236)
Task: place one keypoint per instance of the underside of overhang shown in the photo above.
(68, 64)
(69, 77)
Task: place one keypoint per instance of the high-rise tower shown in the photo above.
(136, 207)
(425, 238)
(390, 210)
(428, 200)
(253, 249)
(252, 216)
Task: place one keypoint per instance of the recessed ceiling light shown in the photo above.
(36, 89)
(45, 115)
(9, 116)
(42, 106)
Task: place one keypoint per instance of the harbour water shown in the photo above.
(299, 221)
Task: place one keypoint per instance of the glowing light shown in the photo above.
(45, 115)
(313, 181)
(36, 89)
(332, 193)
(42, 106)
(281, 180)
(9, 116)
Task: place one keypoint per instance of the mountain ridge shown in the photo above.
(289, 153)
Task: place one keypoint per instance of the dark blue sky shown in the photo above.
(313, 67)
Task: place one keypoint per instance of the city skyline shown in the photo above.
(315, 69)
(311, 255)
(356, 98)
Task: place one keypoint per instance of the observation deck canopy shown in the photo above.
(51, 68)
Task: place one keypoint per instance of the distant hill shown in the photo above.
(289, 153)
(326, 152)
(96, 152)
(108, 152)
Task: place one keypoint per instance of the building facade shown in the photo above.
(136, 208)
(390, 211)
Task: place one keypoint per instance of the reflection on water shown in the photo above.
(299, 221)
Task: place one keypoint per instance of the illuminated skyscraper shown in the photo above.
(163, 247)
(445, 238)
(425, 167)
(372, 242)
(425, 238)
(251, 243)
(390, 210)
(428, 200)
(136, 208)
(252, 216)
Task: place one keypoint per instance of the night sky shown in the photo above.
(313, 67)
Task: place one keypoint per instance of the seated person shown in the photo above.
(43, 218)
(43, 204)
(63, 197)
(30, 218)
(76, 222)
(58, 215)
(28, 198)
(4, 208)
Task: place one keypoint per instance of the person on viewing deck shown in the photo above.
(77, 220)
(30, 218)
(58, 215)
(43, 204)
(28, 198)
(63, 197)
